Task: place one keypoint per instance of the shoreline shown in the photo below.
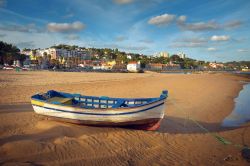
(208, 98)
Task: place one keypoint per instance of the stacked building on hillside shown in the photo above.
(162, 54)
(181, 55)
(56, 53)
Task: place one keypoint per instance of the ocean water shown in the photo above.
(241, 112)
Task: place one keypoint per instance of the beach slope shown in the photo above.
(29, 139)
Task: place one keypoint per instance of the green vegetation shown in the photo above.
(67, 47)
(9, 53)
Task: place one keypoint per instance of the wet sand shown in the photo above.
(29, 139)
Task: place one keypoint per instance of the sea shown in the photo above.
(241, 113)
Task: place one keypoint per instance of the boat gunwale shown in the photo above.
(103, 114)
(99, 109)
(157, 99)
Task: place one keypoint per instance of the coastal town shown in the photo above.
(67, 57)
(125, 82)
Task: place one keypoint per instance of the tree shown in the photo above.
(45, 55)
(175, 58)
(9, 53)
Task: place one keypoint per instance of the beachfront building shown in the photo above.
(108, 65)
(26, 52)
(215, 65)
(56, 53)
(245, 68)
(171, 66)
(134, 66)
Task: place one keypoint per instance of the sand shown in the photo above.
(29, 139)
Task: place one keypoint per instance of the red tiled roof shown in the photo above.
(132, 62)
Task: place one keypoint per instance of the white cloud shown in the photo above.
(182, 18)
(211, 49)
(162, 19)
(220, 38)
(123, 1)
(181, 21)
(242, 50)
(66, 27)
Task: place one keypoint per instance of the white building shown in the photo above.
(129, 56)
(57, 53)
(162, 54)
(181, 55)
(216, 65)
(133, 66)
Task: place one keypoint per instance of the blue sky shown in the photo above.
(205, 30)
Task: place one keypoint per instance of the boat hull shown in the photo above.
(147, 117)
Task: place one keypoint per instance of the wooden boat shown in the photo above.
(139, 113)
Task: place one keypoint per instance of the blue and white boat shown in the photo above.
(140, 113)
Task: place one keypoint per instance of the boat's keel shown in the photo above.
(150, 127)
(148, 124)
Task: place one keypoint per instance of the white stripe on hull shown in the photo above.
(151, 113)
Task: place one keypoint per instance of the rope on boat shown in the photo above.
(221, 139)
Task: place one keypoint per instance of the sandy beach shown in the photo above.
(29, 139)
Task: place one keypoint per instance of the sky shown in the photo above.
(210, 30)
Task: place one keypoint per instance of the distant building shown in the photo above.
(245, 68)
(216, 65)
(181, 55)
(59, 53)
(28, 52)
(129, 57)
(171, 66)
(108, 65)
(162, 54)
(133, 66)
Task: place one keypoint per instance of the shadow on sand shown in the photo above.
(15, 108)
(176, 125)
(172, 125)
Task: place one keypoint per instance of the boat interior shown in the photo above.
(91, 102)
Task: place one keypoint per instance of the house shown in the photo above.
(133, 66)
(216, 65)
(108, 65)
